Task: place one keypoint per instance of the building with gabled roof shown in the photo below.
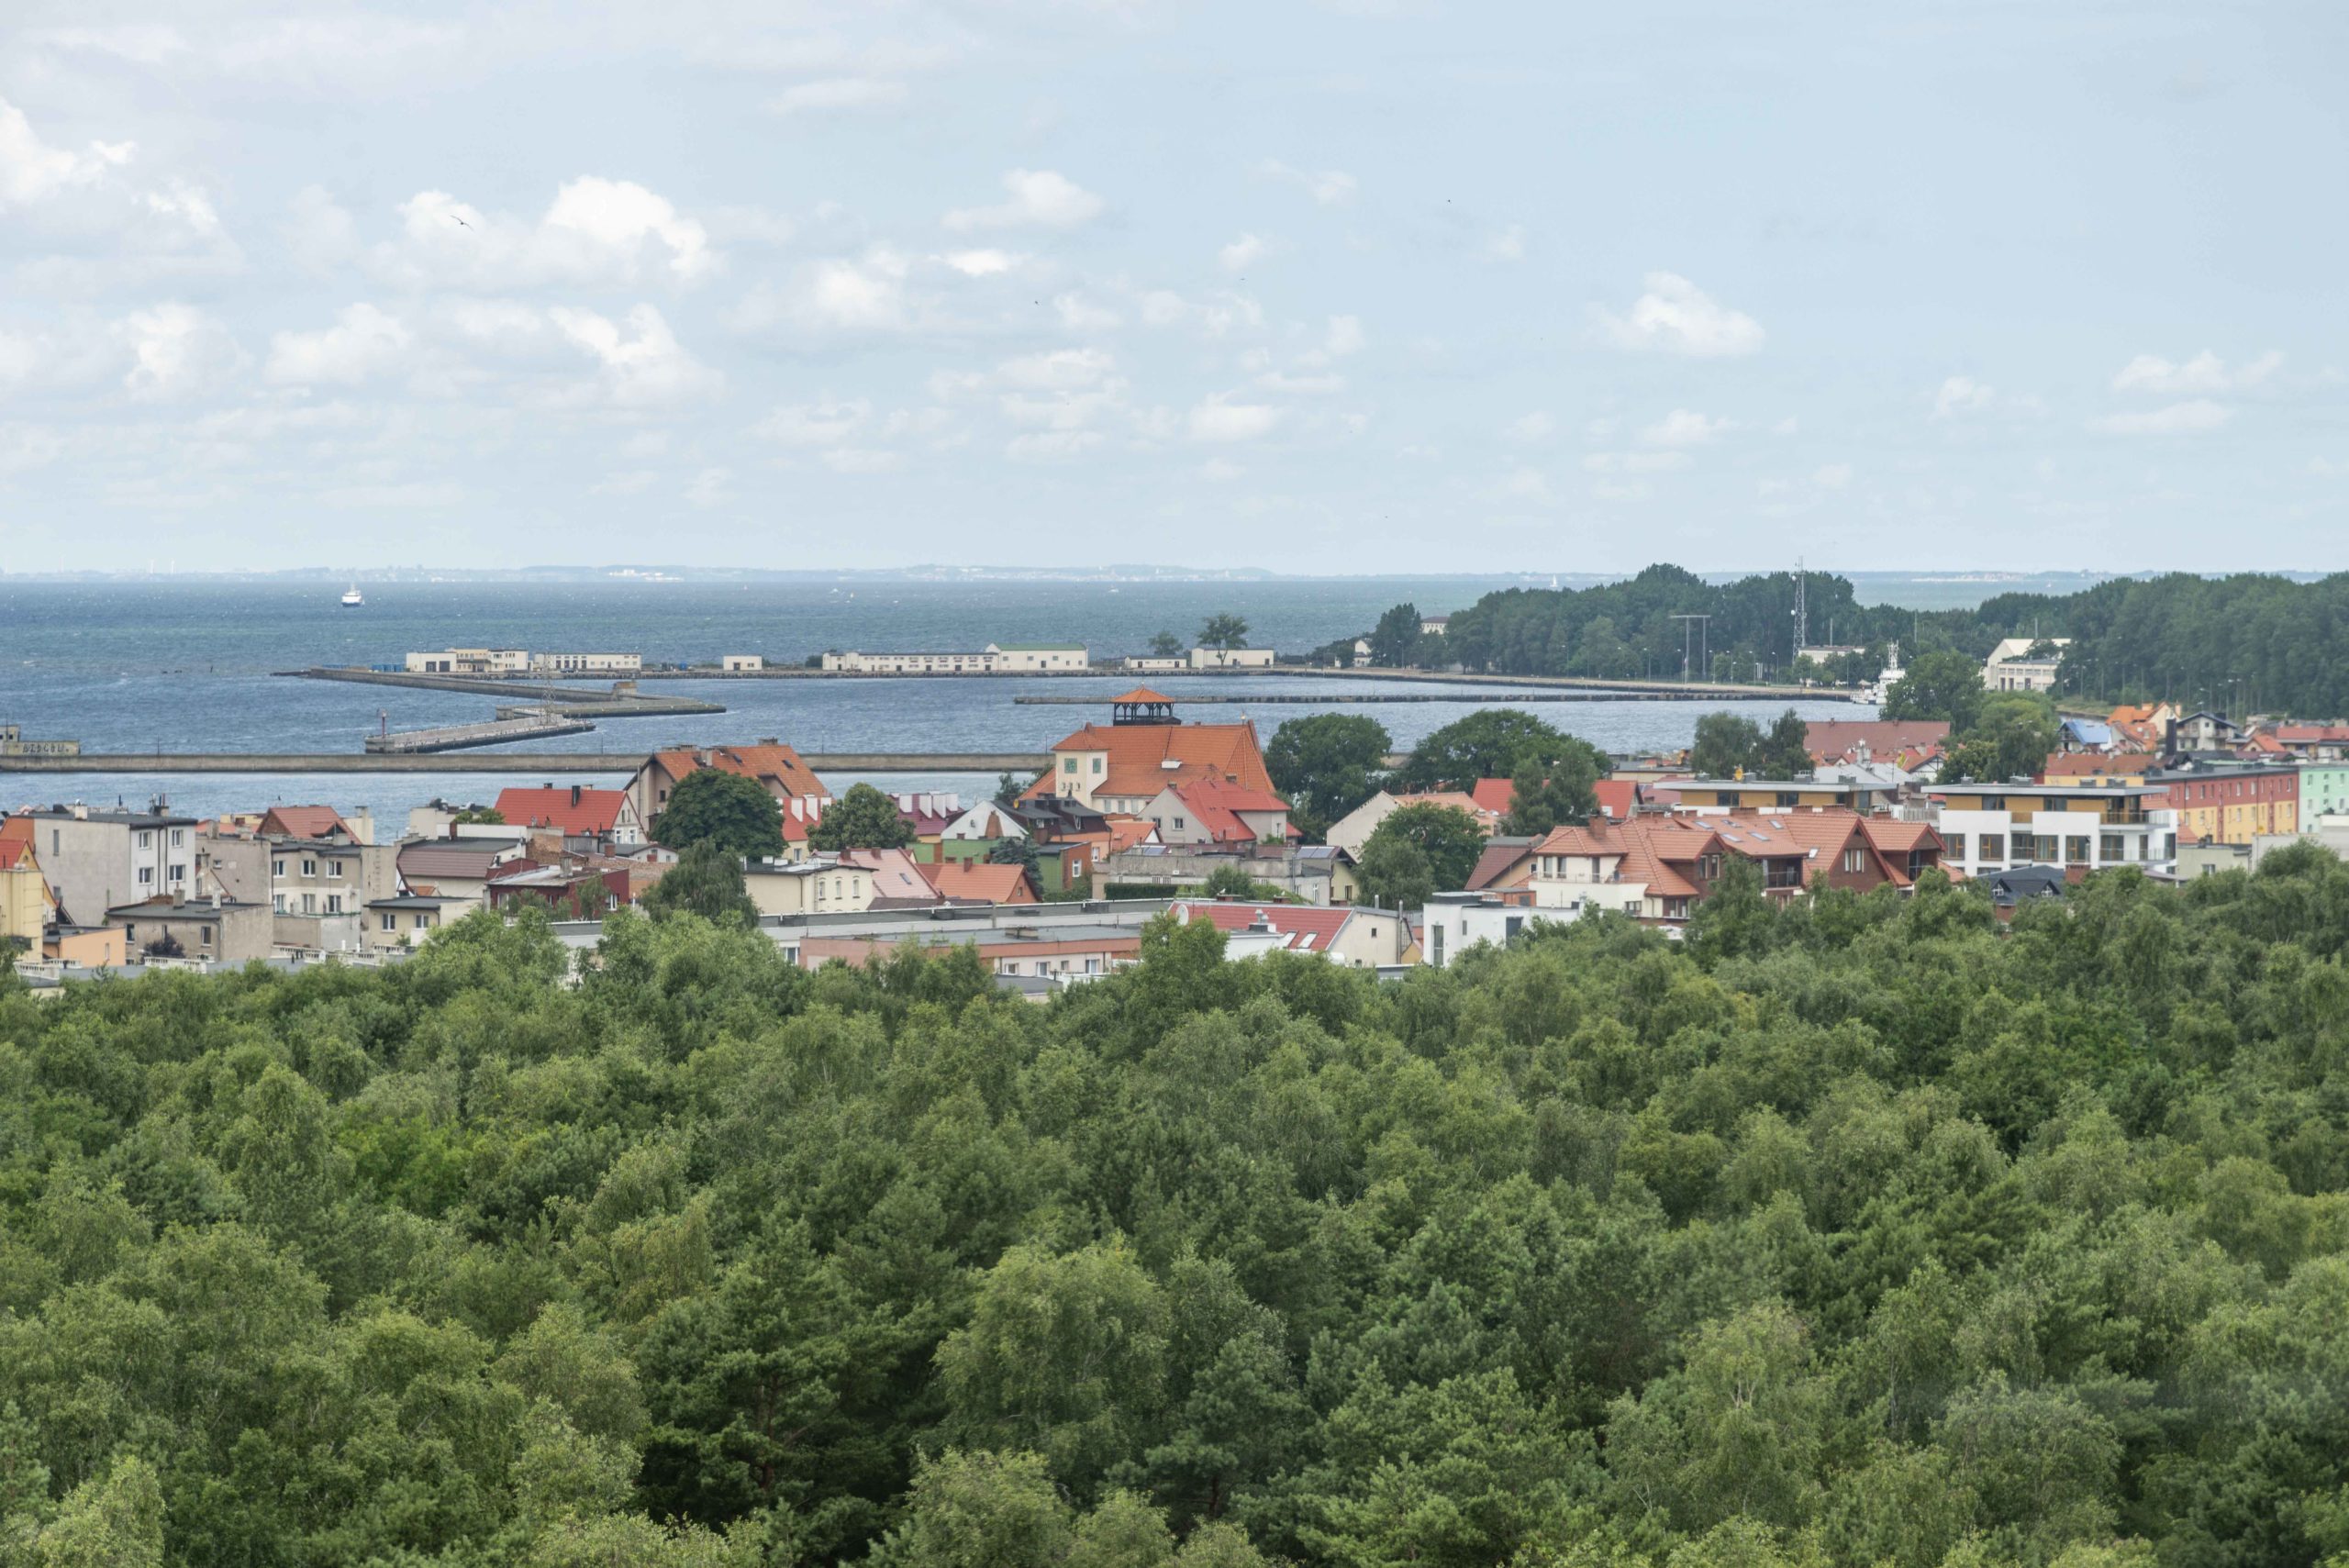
(1904, 742)
(1121, 766)
(577, 811)
(776, 767)
(978, 882)
(1216, 811)
(1357, 938)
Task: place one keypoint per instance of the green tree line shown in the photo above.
(1866, 1231)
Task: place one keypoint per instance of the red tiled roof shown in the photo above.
(1216, 806)
(1137, 752)
(1308, 928)
(1496, 795)
(593, 811)
(2313, 734)
(2090, 764)
(303, 822)
(1888, 740)
(1125, 832)
(775, 765)
(975, 882)
(1617, 797)
(1143, 694)
(1458, 800)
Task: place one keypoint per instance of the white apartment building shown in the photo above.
(2080, 828)
(2010, 668)
(97, 859)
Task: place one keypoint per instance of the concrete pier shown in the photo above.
(1510, 697)
(614, 703)
(609, 763)
(509, 726)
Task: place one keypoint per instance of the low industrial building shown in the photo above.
(994, 658)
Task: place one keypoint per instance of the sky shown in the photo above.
(1340, 287)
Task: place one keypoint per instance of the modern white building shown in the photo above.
(619, 664)
(743, 663)
(2080, 828)
(2012, 667)
(994, 658)
(471, 661)
(1232, 658)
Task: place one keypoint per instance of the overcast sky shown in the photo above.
(1342, 287)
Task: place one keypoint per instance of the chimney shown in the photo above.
(575, 795)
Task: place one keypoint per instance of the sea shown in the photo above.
(177, 665)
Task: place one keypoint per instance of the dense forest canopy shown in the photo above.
(2247, 643)
(1866, 1232)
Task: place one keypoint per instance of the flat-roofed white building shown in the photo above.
(2081, 827)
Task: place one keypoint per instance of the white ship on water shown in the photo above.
(352, 599)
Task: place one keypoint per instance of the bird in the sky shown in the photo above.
(461, 220)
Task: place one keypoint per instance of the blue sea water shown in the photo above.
(175, 666)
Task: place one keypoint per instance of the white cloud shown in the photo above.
(711, 487)
(1832, 476)
(176, 352)
(631, 481)
(1523, 483)
(1962, 395)
(32, 170)
(2191, 417)
(861, 459)
(1216, 316)
(1240, 254)
(1508, 245)
(1675, 317)
(1051, 445)
(1217, 418)
(319, 232)
(1059, 370)
(1039, 198)
(866, 294)
(1344, 336)
(362, 342)
(1331, 187)
(1079, 314)
(982, 263)
(840, 93)
(1530, 429)
(2205, 373)
(596, 231)
(1685, 428)
(643, 366)
(1665, 462)
(828, 423)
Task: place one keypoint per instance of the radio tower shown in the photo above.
(1802, 621)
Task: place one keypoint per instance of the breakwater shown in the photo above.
(508, 726)
(618, 702)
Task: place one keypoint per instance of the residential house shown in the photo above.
(1434, 626)
(897, 881)
(2199, 734)
(1218, 812)
(1453, 922)
(458, 867)
(978, 882)
(604, 818)
(1353, 830)
(301, 881)
(2232, 802)
(28, 908)
(2018, 885)
(97, 859)
(407, 919)
(1658, 868)
(2324, 790)
(820, 886)
(2080, 827)
(1354, 938)
(1232, 659)
(214, 930)
(1122, 766)
(990, 822)
(1772, 794)
(1318, 873)
(775, 766)
(2013, 667)
(591, 891)
(2313, 742)
(2141, 726)
(2083, 735)
(1906, 743)
(1505, 870)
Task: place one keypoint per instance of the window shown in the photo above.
(277, 903)
(277, 866)
(334, 871)
(2112, 849)
(1178, 825)
(146, 876)
(1855, 860)
(2076, 850)
(1096, 764)
(309, 866)
(178, 872)
(390, 921)
(146, 841)
(1782, 873)
(203, 935)
(423, 921)
(1788, 797)
(1708, 867)
(1068, 764)
(2024, 847)
(334, 903)
(310, 904)
(179, 837)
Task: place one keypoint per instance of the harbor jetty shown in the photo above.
(510, 725)
(621, 701)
